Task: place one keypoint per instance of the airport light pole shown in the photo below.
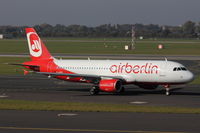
(133, 38)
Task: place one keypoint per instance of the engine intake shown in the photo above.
(110, 85)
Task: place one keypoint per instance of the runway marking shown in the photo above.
(81, 130)
(67, 114)
(138, 102)
(3, 96)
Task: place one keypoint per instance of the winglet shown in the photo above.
(25, 71)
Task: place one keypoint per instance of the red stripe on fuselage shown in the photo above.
(50, 66)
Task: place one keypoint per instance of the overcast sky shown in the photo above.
(96, 12)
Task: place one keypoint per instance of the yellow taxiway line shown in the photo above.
(81, 130)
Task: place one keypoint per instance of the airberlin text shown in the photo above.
(147, 68)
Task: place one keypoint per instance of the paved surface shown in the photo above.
(43, 89)
(96, 122)
(111, 56)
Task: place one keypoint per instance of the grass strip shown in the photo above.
(196, 80)
(171, 47)
(6, 104)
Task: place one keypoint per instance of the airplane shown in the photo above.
(105, 75)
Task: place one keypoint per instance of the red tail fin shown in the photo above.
(36, 47)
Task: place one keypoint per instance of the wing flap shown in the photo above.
(79, 75)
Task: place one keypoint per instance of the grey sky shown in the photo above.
(96, 12)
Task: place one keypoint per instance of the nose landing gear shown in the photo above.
(167, 90)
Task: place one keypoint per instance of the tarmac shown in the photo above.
(13, 121)
(40, 88)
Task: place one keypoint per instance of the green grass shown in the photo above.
(196, 80)
(119, 39)
(179, 47)
(90, 107)
(6, 69)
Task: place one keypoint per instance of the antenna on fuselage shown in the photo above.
(166, 59)
(88, 58)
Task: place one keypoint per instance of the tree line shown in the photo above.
(187, 30)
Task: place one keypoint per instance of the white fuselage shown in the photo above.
(147, 71)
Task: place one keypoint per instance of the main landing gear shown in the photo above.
(94, 90)
(167, 90)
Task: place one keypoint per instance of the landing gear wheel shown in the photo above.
(122, 90)
(94, 90)
(167, 93)
(118, 92)
(167, 90)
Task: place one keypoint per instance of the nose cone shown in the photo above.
(190, 76)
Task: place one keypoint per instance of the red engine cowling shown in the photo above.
(110, 85)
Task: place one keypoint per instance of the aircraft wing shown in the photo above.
(80, 75)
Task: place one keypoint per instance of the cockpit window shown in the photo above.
(183, 68)
(179, 69)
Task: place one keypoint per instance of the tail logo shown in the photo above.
(35, 46)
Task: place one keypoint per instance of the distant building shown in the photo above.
(6, 36)
(141, 37)
(1, 36)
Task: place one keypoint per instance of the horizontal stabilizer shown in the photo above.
(21, 65)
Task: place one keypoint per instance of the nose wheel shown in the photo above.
(167, 93)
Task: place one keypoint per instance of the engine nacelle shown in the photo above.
(110, 85)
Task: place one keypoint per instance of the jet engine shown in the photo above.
(110, 85)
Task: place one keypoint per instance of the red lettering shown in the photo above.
(119, 68)
(142, 69)
(154, 69)
(128, 68)
(136, 69)
(122, 68)
(148, 68)
(113, 68)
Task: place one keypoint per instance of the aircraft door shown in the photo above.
(163, 71)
